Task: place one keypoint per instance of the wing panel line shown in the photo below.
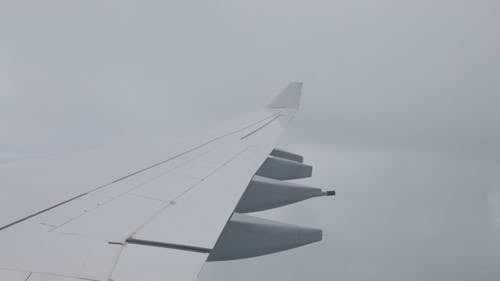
(273, 116)
(260, 128)
(42, 211)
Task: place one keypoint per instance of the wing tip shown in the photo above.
(288, 97)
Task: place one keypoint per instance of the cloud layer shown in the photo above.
(400, 112)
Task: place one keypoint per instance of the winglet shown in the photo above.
(288, 98)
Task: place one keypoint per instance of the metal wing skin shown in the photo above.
(155, 210)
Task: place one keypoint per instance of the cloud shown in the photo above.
(399, 112)
(397, 215)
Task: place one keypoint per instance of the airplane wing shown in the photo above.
(155, 210)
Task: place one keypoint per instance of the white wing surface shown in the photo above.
(154, 210)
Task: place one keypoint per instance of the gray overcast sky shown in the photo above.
(400, 113)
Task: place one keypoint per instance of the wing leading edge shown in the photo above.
(163, 221)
